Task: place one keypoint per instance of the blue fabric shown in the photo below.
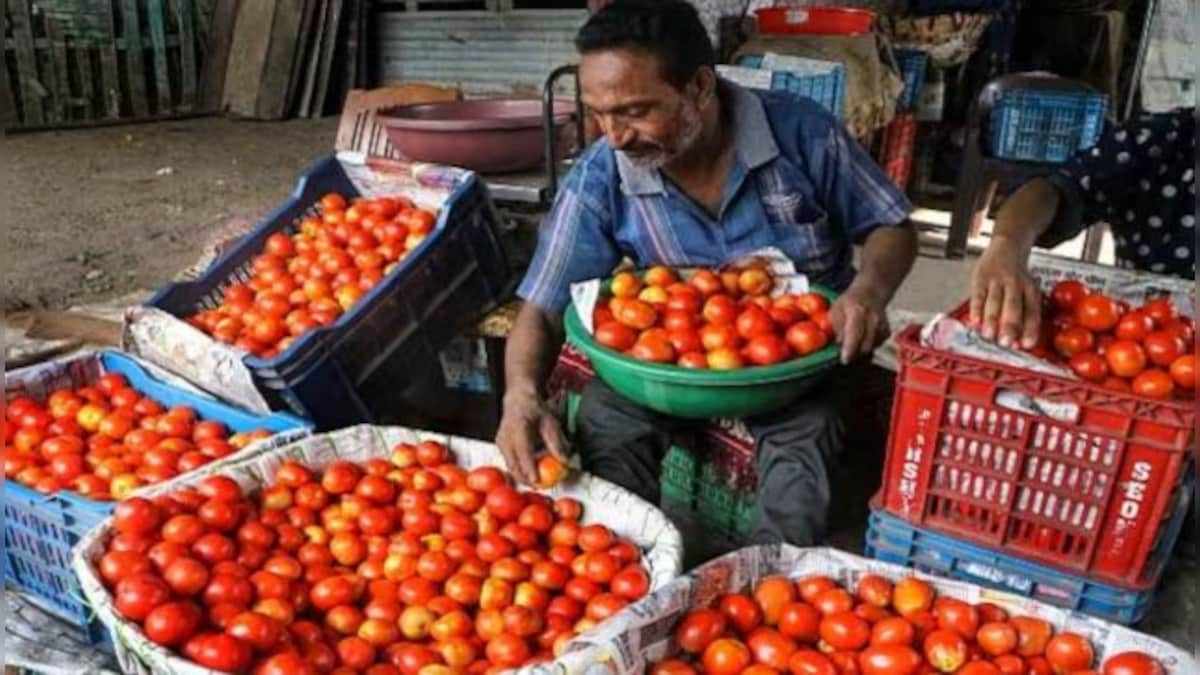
(799, 183)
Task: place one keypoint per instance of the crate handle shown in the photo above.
(1066, 412)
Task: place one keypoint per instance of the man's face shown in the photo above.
(642, 115)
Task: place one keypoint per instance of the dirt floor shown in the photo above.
(95, 213)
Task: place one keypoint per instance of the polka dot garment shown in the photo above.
(1139, 178)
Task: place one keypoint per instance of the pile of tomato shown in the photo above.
(410, 565)
(310, 278)
(107, 439)
(816, 627)
(1147, 350)
(716, 319)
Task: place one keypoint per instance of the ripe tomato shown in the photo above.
(1069, 652)
(766, 349)
(186, 576)
(893, 631)
(1183, 371)
(637, 314)
(889, 660)
(956, 615)
(616, 335)
(631, 582)
(1153, 383)
(773, 594)
(845, 631)
(1073, 340)
(116, 565)
(507, 650)
(1161, 310)
(1097, 313)
(172, 624)
(742, 612)
(1125, 358)
(726, 657)
(1162, 347)
(754, 321)
(1134, 326)
(946, 650)
(1089, 366)
(979, 668)
(136, 595)
(720, 310)
(698, 629)
(770, 648)
(1132, 663)
(1066, 294)
(996, 638)
(800, 621)
(811, 662)
(259, 631)
(806, 337)
(911, 595)
(672, 667)
(654, 349)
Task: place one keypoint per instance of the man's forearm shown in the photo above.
(1026, 215)
(533, 346)
(887, 257)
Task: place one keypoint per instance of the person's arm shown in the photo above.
(1006, 303)
(527, 421)
(860, 315)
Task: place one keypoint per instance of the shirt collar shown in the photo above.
(754, 143)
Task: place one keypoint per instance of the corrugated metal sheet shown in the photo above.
(484, 53)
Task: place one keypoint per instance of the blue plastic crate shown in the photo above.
(361, 368)
(40, 530)
(912, 64)
(1046, 126)
(893, 540)
(826, 86)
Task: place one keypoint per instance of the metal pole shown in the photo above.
(1135, 81)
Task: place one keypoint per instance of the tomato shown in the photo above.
(1161, 310)
(1066, 294)
(770, 648)
(1153, 383)
(637, 314)
(726, 657)
(1069, 652)
(615, 335)
(1097, 313)
(754, 321)
(996, 638)
(212, 548)
(893, 631)
(625, 285)
(845, 631)
(773, 594)
(260, 632)
(806, 337)
(743, 613)
(1183, 371)
(720, 310)
(1162, 347)
(507, 650)
(672, 667)
(685, 341)
(698, 629)
(631, 582)
(979, 668)
(136, 595)
(340, 477)
(766, 349)
(956, 615)
(946, 650)
(116, 565)
(228, 589)
(911, 595)
(1134, 326)
(505, 503)
(1074, 340)
(811, 662)
(1125, 358)
(889, 660)
(1090, 366)
(653, 348)
(186, 576)
(286, 663)
(1132, 663)
(595, 537)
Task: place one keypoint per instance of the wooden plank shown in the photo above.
(156, 13)
(300, 57)
(314, 59)
(187, 53)
(134, 69)
(9, 117)
(58, 61)
(247, 57)
(83, 74)
(273, 88)
(27, 73)
(216, 56)
(110, 83)
(327, 52)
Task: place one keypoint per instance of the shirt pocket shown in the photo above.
(811, 240)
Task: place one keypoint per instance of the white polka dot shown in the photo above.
(1188, 221)
(1187, 176)
(1169, 191)
(1095, 152)
(1120, 136)
(1143, 250)
(1122, 157)
(1085, 182)
(1157, 267)
(1143, 136)
(1172, 135)
(1154, 152)
(1183, 252)
(1166, 238)
(1154, 221)
(1162, 169)
(1144, 184)
(1135, 237)
(1130, 215)
(1120, 240)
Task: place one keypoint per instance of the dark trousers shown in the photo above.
(794, 447)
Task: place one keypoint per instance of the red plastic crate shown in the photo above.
(1090, 495)
(896, 153)
(814, 20)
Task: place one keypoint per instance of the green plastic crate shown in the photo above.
(678, 482)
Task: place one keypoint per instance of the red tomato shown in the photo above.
(135, 516)
(1153, 383)
(770, 648)
(766, 349)
(1067, 294)
(1069, 652)
(744, 613)
(1074, 340)
(1183, 371)
(996, 638)
(1125, 358)
(698, 629)
(186, 576)
(800, 621)
(1134, 326)
(806, 337)
(726, 657)
(1162, 347)
(615, 335)
(893, 631)
(811, 662)
(946, 650)
(1090, 366)
(1161, 310)
(1132, 663)
(889, 660)
(260, 632)
(845, 631)
(136, 595)
(172, 624)
(1097, 313)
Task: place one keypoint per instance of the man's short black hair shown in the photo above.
(669, 29)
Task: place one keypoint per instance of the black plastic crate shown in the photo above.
(361, 368)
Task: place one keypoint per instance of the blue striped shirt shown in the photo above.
(798, 183)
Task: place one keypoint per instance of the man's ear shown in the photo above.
(704, 87)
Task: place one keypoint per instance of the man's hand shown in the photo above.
(859, 319)
(1006, 304)
(528, 425)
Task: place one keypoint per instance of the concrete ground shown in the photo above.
(95, 214)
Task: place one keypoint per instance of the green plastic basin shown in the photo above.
(699, 394)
